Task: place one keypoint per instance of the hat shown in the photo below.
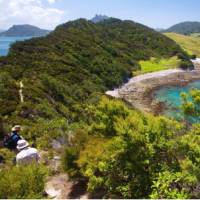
(21, 144)
(16, 128)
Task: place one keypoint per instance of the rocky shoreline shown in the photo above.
(139, 91)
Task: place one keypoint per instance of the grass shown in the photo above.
(195, 35)
(157, 64)
(191, 44)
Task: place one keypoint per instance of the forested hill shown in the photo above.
(185, 28)
(24, 31)
(74, 64)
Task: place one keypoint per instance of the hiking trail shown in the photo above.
(21, 96)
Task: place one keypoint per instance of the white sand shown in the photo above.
(197, 60)
(154, 75)
(116, 92)
(163, 73)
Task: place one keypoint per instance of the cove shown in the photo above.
(170, 96)
(6, 42)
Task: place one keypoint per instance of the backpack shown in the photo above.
(11, 142)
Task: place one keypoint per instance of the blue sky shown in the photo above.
(49, 13)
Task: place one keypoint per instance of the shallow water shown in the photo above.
(171, 97)
(5, 43)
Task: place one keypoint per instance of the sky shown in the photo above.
(50, 13)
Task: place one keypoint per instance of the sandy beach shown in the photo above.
(139, 90)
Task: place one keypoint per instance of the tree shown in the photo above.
(125, 164)
(191, 105)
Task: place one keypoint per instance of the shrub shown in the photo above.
(185, 65)
(22, 182)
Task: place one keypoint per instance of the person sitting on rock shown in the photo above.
(26, 155)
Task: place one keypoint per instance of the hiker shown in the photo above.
(26, 155)
(10, 141)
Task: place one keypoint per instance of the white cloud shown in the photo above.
(32, 12)
(51, 1)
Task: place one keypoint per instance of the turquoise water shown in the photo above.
(171, 97)
(5, 43)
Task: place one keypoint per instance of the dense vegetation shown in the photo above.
(185, 28)
(71, 66)
(128, 154)
(119, 150)
(188, 43)
(22, 182)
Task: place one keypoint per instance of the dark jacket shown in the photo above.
(10, 142)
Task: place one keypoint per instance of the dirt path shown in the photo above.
(21, 85)
(61, 187)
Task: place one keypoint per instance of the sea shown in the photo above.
(170, 96)
(5, 43)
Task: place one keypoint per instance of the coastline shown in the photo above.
(139, 91)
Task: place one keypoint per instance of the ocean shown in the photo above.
(5, 43)
(170, 96)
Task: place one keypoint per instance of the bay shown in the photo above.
(5, 43)
(170, 96)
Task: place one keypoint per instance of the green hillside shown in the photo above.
(116, 149)
(185, 28)
(189, 43)
(64, 70)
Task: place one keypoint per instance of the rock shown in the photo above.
(138, 92)
(58, 187)
(56, 144)
(61, 187)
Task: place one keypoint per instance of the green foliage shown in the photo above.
(133, 155)
(169, 185)
(155, 64)
(76, 142)
(104, 116)
(25, 182)
(7, 157)
(64, 74)
(8, 94)
(191, 105)
(69, 158)
(126, 164)
(67, 68)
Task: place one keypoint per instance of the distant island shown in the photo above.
(99, 18)
(24, 31)
(159, 29)
(185, 28)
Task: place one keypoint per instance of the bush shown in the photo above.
(69, 158)
(6, 157)
(22, 182)
(193, 56)
(185, 65)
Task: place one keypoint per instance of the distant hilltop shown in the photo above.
(99, 18)
(24, 31)
(185, 28)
